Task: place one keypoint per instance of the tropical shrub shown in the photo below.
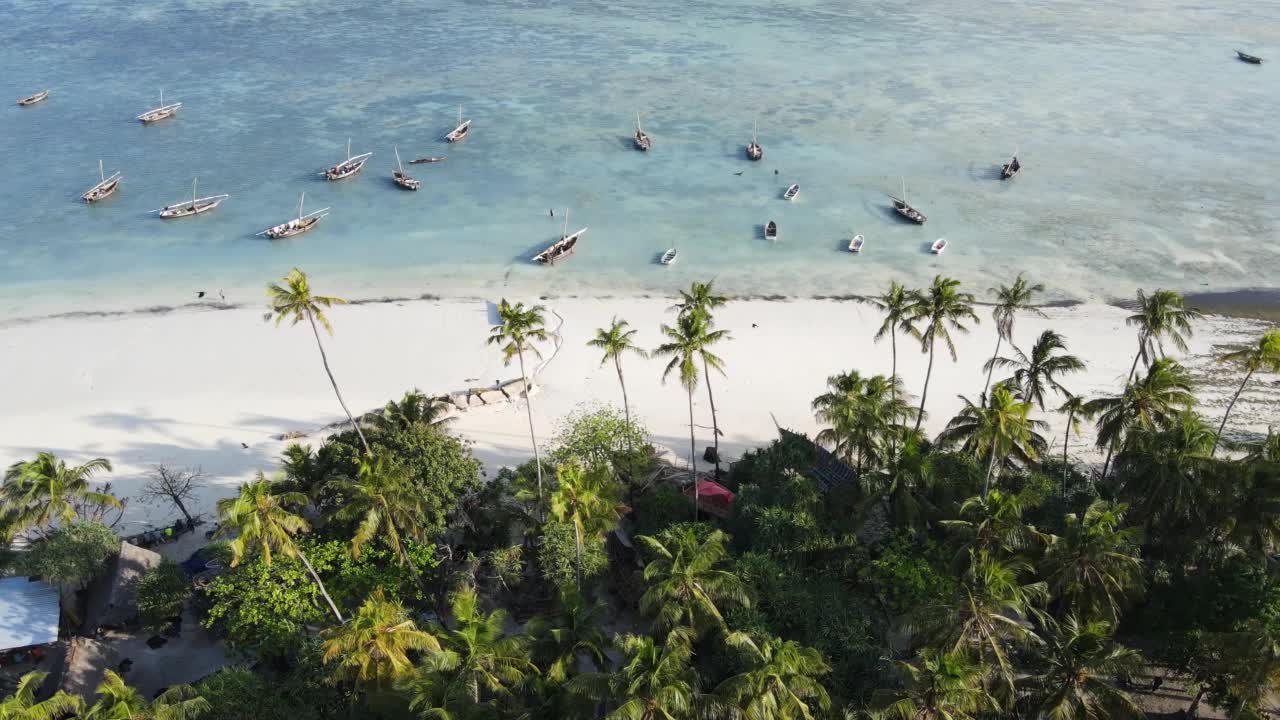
(162, 592)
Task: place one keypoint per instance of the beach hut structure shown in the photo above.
(112, 596)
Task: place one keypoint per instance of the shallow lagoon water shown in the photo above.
(1150, 153)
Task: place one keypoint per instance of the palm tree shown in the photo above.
(986, 614)
(118, 701)
(1094, 566)
(1033, 373)
(474, 659)
(572, 632)
(1149, 403)
(413, 409)
(941, 309)
(1074, 408)
(374, 647)
(863, 414)
(38, 492)
(1072, 672)
(590, 501)
(258, 519)
(1264, 356)
(701, 300)
(1253, 656)
(655, 681)
(939, 686)
(1000, 430)
(22, 704)
(293, 301)
(686, 581)
(1169, 476)
(896, 304)
(779, 681)
(616, 342)
(684, 347)
(1009, 301)
(1163, 313)
(991, 525)
(518, 327)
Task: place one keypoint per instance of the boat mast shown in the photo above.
(754, 126)
(399, 165)
(300, 201)
(193, 192)
(638, 123)
(102, 176)
(565, 234)
(348, 149)
(904, 191)
(459, 114)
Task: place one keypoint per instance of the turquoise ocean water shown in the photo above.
(1151, 155)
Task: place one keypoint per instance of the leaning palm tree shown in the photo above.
(293, 301)
(118, 701)
(38, 492)
(684, 347)
(1074, 409)
(259, 521)
(517, 328)
(1264, 356)
(1000, 430)
(938, 686)
(686, 580)
(376, 646)
(616, 341)
(1037, 373)
(1148, 403)
(1072, 676)
(384, 504)
(1009, 302)
(571, 632)
(701, 300)
(590, 501)
(935, 313)
(1163, 313)
(779, 680)
(1094, 567)
(23, 705)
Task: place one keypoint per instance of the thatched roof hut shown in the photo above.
(112, 596)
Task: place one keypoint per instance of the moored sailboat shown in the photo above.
(1011, 168)
(105, 187)
(159, 113)
(33, 99)
(195, 206)
(348, 167)
(754, 151)
(1251, 59)
(904, 209)
(461, 131)
(641, 141)
(298, 225)
(561, 248)
(400, 178)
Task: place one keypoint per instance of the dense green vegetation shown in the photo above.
(870, 572)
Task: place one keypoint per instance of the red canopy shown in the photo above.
(713, 498)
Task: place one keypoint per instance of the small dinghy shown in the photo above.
(460, 132)
(33, 99)
(421, 161)
(771, 230)
(561, 248)
(754, 151)
(791, 192)
(400, 178)
(904, 209)
(855, 245)
(298, 225)
(348, 167)
(641, 139)
(104, 189)
(159, 113)
(1251, 59)
(195, 206)
(938, 246)
(669, 257)
(1011, 168)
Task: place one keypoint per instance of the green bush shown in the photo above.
(659, 508)
(71, 555)
(601, 437)
(557, 555)
(161, 594)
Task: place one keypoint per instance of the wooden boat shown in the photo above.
(159, 113)
(298, 225)
(791, 192)
(1011, 168)
(33, 99)
(1251, 59)
(561, 248)
(641, 140)
(938, 246)
(754, 151)
(771, 230)
(105, 187)
(669, 257)
(460, 132)
(195, 206)
(423, 160)
(905, 210)
(348, 167)
(400, 178)
(855, 244)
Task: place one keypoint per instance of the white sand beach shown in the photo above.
(189, 387)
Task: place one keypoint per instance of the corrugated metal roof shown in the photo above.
(28, 613)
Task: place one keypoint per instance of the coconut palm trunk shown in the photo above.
(1223, 425)
(1066, 443)
(925, 394)
(319, 583)
(693, 458)
(325, 359)
(533, 439)
(992, 368)
(577, 550)
(1193, 711)
(991, 466)
(715, 426)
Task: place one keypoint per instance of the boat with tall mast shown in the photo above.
(461, 131)
(561, 248)
(298, 225)
(33, 99)
(104, 189)
(903, 208)
(401, 178)
(1011, 168)
(754, 151)
(348, 167)
(195, 206)
(159, 113)
(642, 141)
